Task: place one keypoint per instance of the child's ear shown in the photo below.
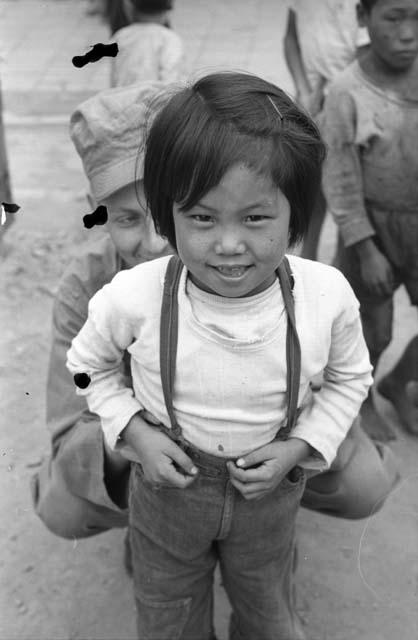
(361, 15)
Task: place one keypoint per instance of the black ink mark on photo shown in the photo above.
(82, 380)
(99, 216)
(97, 52)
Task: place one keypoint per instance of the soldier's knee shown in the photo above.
(65, 515)
(360, 489)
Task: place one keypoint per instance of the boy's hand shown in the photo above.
(376, 271)
(162, 460)
(275, 460)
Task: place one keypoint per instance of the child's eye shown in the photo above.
(256, 218)
(129, 221)
(199, 217)
(130, 218)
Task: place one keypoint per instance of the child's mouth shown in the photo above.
(236, 271)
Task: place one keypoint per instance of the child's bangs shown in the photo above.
(208, 156)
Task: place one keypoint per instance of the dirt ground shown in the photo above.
(356, 580)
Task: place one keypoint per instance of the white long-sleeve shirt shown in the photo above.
(230, 383)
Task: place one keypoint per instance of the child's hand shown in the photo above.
(275, 460)
(162, 460)
(376, 271)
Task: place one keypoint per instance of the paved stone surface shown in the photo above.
(38, 40)
(41, 87)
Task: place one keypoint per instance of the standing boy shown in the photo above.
(370, 181)
(322, 38)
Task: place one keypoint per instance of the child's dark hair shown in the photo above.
(368, 4)
(222, 120)
(152, 6)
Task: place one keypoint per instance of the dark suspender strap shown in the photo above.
(168, 336)
(169, 333)
(293, 353)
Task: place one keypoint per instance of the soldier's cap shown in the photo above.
(109, 131)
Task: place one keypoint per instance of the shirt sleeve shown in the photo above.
(98, 351)
(326, 420)
(342, 175)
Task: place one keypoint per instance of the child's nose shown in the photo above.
(407, 31)
(229, 243)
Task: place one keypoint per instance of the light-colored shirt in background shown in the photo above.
(147, 52)
(328, 35)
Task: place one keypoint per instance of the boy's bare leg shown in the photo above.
(400, 387)
(376, 319)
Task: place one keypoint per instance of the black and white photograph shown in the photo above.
(208, 319)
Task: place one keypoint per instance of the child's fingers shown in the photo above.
(258, 456)
(181, 459)
(250, 491)
(261, 474)
(178, 479)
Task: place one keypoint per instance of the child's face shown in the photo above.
(131, 229)
(393, 30)
(233, 240)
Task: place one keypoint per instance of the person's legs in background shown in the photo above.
(398, 386)
(397, 238)
(377, 318)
